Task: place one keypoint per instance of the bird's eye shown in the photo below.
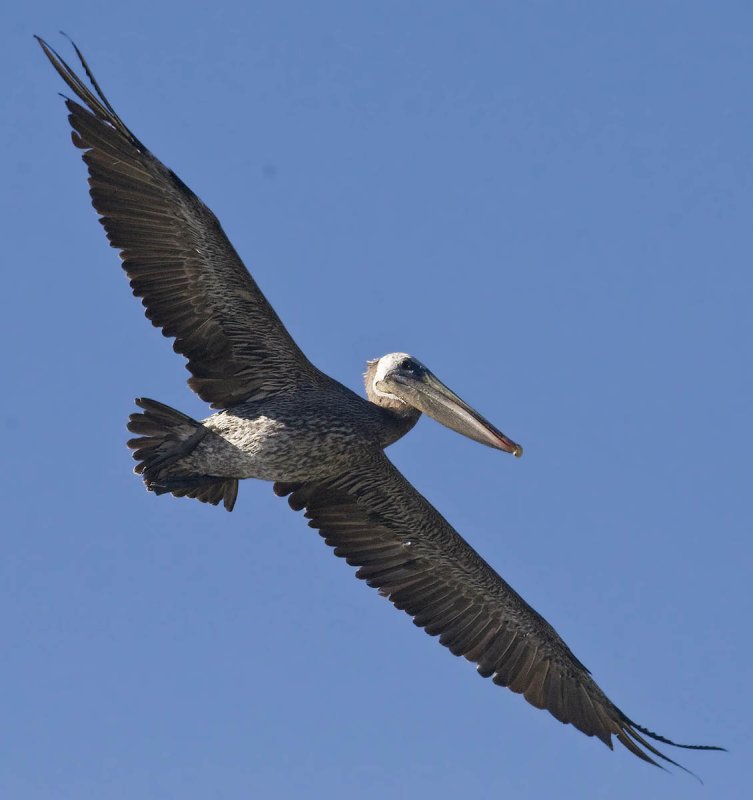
(409, 366)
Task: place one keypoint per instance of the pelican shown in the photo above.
(280, 419)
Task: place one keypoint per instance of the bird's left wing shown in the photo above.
(377, 521)
(191, 281)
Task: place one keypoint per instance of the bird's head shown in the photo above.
(400, 382)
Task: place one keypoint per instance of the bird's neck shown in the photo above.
(396, 418)
(396, 422)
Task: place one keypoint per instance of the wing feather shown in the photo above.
(376, 521)
(190, 280)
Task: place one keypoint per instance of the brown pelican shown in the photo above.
(283, 420)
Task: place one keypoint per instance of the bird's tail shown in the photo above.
(165, 436)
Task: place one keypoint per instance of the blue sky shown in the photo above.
(547, 203)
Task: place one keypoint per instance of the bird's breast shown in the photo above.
(288, 441)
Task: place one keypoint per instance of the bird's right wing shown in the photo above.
(179, 261)
(377, 521)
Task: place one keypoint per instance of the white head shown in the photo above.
(379, 371)
(401, 383)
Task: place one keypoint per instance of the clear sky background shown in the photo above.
(550, 205)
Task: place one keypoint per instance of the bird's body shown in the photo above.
(281, 419)
(295, 437)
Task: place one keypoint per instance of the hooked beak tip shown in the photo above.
(508, 446)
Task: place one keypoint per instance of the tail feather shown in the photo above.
(164, 437)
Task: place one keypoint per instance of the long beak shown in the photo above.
(428, 394)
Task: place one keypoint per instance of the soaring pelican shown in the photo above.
(283, 420)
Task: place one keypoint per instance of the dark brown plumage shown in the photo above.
(284, 420)
(179, 261)
(431, 573)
